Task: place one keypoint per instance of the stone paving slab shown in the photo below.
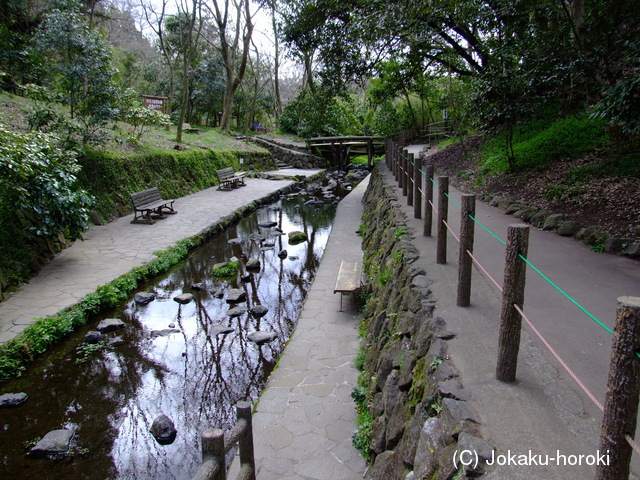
(112, 250)
(305, 418)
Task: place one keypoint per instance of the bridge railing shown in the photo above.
(216, 444)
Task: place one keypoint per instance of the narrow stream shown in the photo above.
(170, 359)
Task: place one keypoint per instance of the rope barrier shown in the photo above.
(562, 362)
(451, 231)
(567, 295)
(633, 444)
(483, 270)
(579, 382)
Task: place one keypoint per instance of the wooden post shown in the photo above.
(428, 199)
(623, 386)
(405, 165)
(417, 186)
(247, 457)
(466, 243)
(410, 177)
(513, 294)
(213, 448)
(443, 214)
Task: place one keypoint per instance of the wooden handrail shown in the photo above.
(216, 444)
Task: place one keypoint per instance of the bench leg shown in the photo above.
(144, 217)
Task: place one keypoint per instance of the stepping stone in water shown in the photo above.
(236, 312)
(55, 442)
(236, 295)
(143, 298)
(258, 311)
(268, 224)
(163, 430)
(220, 330)
(110, 324)
(260, 338)
(92, 337)
(253, 265)
(13, 399)
(184, 298)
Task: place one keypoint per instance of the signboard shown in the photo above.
(155, 103)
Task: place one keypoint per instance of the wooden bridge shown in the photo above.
(341, 149)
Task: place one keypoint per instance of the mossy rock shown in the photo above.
(297, 237)
(226, 269)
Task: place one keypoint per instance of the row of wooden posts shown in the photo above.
(216, 444)
(620, 411)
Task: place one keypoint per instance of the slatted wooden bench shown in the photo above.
(187, 128)
(150, 202)
(229, 179)
(349, 279)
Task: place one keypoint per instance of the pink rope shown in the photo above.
(450, 230)
(475, 260)
(633, 444)
(433, 206)
(562, 362)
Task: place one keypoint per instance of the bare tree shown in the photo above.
(234, 42)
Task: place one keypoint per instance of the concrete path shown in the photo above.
(544, 411)
(305, 419)
(112, 250)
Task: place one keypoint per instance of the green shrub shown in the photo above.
(536, 144)
(227, 269)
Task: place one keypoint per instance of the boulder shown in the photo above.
(55, 442)
(164, 332)
(282, 254)
(253, 265)
(258, 311)
(431, 440)
(163, 430)
(220, 330)
(236, 312)
(110, 325)
(92, 337)
(268, 224)
(236, 295)
(184, 298)
(568, 228)
(297, 237)
(260, 338)
(143, 298)
(617, 245)
(553, 221)
(198, 287)
(13, 399)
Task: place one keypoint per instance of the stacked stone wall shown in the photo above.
(415, 397)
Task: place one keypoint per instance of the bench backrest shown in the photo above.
(224, 173)
(146, 196)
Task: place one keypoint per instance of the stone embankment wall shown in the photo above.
(417, 403)
(295, 158)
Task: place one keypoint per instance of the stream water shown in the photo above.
(170, 359)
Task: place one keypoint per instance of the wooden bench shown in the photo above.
(349, 279)
(187, 128)
(150, 202)
(229, 179)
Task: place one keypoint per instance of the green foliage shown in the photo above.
(79, 61)
(317, 115)
(38, 181)
(85, 351)
(536, 147)
(399, 232)
(362, 437)
(138, 116)
(227, 269)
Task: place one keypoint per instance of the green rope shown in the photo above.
(488, 231)
(589, 314)
(454, 202)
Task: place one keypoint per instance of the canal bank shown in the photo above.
(304, 422)
(109, 251)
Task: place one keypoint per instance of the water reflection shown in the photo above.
(171, 360)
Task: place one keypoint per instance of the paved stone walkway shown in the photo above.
(305, 419)
(111, 250)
